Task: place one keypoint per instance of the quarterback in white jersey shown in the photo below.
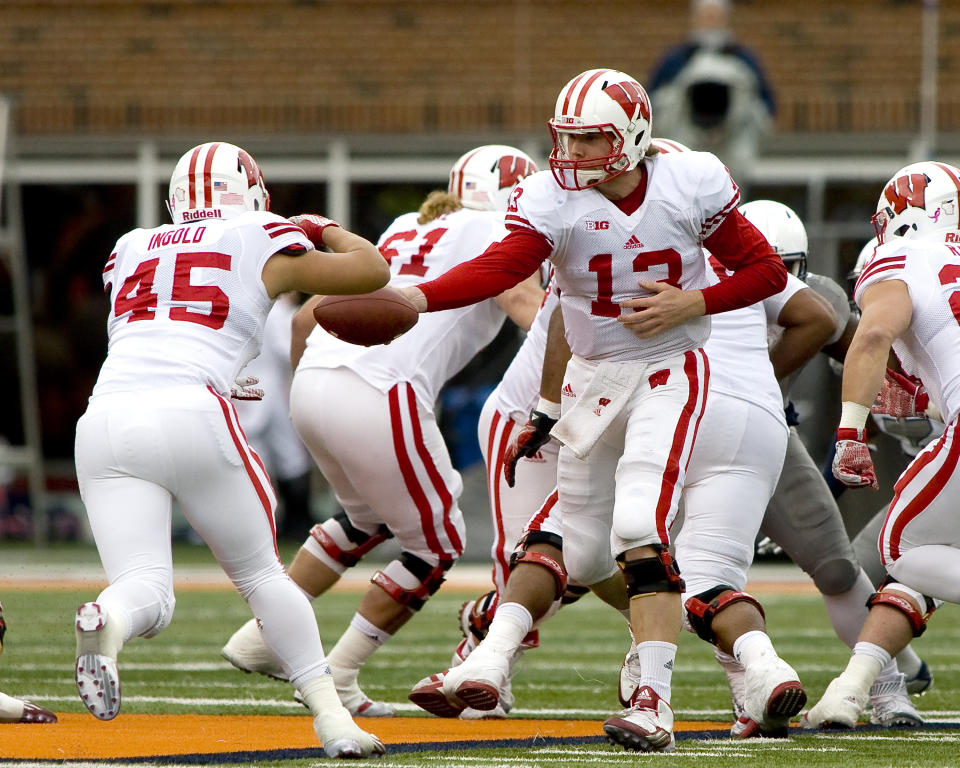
(376, 440)
(617, 218)
(908, 295)
(188, 305)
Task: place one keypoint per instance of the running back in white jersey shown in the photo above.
(188, 303)
(601, 253)
(930, 348)
(441, 343)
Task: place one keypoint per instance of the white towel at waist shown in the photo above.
(601, 402)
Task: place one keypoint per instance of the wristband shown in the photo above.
(548, 408)
(853, 415)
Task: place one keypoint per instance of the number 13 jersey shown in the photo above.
(601, 253)
(188, 303)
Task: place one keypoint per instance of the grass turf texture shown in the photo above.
(571, 677)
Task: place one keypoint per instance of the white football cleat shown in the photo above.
(479, 680)
(248, 653)
(429, 695)
(499, 712)
(839, 707)
(96, 673)
(890, 705)
(343, 738)
(647, 726)
(772, 695)
(353, 698)
(629, 680)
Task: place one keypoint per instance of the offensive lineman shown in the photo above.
(188, 305)
(613, 217)
(378, 443)
(908, 296)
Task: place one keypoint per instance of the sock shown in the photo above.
(865, 664)
(355, 646)
(320, 695)
(656, 666)
(511, 623)
(848, 611)
(752, 646)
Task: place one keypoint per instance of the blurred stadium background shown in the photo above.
(356, 108)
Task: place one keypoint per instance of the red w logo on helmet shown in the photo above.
(906, 190)
(629, 95)
(512, 169)
(249, 166)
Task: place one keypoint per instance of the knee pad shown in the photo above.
(545, 561)
(896, 595)
(835, 577)
(344, 543)
(701, 609)
(410, 580)
(648, 575)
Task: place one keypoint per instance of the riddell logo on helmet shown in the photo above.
(203, 213)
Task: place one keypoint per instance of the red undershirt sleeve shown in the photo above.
(503, 265)
(757, 270)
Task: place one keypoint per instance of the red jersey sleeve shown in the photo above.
(502, 266)
(757, 270)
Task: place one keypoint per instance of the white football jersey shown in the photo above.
(441, 343)
(930, 347)
(519, 390)
(600, 253)
(188, 303)
(738, 354)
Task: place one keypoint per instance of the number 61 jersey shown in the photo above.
(601, 253)
(188, 304)
(930, 348)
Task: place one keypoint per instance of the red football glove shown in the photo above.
(243, 389)
(852, 463)
(901, 397)
(530, 439)
(313, 226)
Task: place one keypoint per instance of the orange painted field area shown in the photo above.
(79, 736)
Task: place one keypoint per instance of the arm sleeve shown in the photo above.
(757, 271)
(501, 266)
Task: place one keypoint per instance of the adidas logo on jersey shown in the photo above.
(632, 243)
(567, 391)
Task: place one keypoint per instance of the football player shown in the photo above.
(188, 302)
(376, 439)
(907, 293)
(617, 218)
(14, 710)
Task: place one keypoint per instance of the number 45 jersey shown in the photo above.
(601, 253)
(188, 303)
(441, 343)
(930, 348)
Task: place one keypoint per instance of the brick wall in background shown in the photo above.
(419, 66)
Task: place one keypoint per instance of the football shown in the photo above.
(367, 318)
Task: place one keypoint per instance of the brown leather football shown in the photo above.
(367, 318)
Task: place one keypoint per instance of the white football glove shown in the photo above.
(243, 388)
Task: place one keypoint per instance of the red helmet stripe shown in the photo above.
(952, 175)
(192, 179)
(207, 181)
(570, 90)
(458, 176)
(586, 87)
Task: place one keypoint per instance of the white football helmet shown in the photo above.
(484, 178)
(607, 102)
(866, 253)
(216, 180)
(921, 198)
(783, 230)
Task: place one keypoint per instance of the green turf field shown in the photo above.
(572, 675)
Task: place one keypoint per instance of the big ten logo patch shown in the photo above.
(596, 226)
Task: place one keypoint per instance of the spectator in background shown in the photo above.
(711, 93)
(268, 427)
